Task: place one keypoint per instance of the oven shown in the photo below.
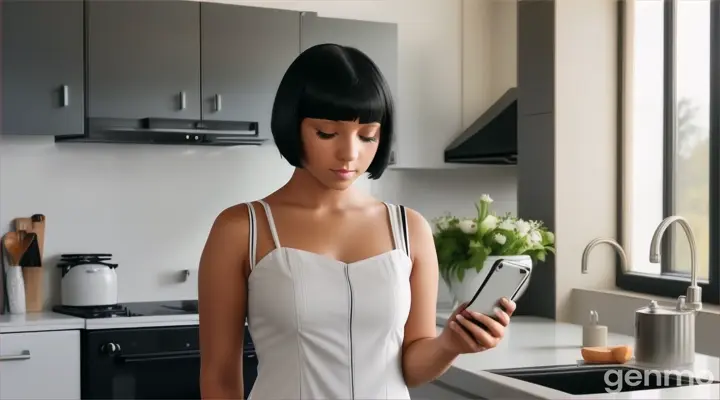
(149, 363)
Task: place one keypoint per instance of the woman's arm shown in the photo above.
(426, 355)
(222, 295)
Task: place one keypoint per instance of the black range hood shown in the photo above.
(167, 131)
(492, 138)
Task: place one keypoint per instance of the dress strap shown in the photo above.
(252, 241)
(399, 226)
(271, 222)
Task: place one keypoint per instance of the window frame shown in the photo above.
(669, 284)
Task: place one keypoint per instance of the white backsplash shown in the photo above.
(152, 206)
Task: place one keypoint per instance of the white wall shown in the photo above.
(585, 143)
(152, 206)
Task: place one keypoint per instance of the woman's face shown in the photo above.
(338, 152)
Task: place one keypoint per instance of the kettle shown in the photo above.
(665, 335)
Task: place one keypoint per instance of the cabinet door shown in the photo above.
(42, 67)
(379, 40)
(536, 56)
(40, 365)
(245, 53)
(143, 59)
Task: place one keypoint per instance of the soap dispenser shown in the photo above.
(594, 335)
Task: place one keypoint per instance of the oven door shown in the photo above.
(147, 363)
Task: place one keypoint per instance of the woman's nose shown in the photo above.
(348, 149)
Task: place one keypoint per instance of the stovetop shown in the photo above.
(134, 309)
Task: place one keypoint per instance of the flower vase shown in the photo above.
(464, 290)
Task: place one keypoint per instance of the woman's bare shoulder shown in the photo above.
(229, 232)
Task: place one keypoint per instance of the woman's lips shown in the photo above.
(344, 174)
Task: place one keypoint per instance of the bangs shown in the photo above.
(341, 93)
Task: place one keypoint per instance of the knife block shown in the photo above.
(33, 277)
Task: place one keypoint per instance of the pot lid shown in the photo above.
(655, 309)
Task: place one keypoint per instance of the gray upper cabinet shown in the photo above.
(536, 56)
(379, 40)
(244, 54)
(143, 59)
(42, 67)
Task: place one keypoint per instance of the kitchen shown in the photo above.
(150, 206)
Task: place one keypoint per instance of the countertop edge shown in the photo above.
(38, 322)
(488, 385)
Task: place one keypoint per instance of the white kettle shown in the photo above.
(88, 281)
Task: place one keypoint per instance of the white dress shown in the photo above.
(324, 329)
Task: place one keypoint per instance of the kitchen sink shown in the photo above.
(594, 379)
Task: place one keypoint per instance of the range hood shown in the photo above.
(492, 138)
(167, 131)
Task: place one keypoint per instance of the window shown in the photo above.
(670, 142)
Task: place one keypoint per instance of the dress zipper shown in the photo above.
(352, 366)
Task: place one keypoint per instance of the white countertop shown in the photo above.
(538, 342)
(52, 321)
(39, 321)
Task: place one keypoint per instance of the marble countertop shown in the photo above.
(39, 321)
(540, 342)
(52, 321)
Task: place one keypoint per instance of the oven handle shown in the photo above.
(170, 355)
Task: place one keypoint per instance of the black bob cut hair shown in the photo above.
(337, 83)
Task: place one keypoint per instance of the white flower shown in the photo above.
(468, 226)
(500, 238)
(535, 237)
(489, 223)
(486, 199)
(442, 223)
(528, 241)
(507, 225)
(523, 227)
(550, 236)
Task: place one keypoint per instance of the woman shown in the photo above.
(339, 289)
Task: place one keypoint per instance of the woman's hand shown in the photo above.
(464, 335)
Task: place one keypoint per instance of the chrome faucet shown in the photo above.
(611, 242)
(693, 297)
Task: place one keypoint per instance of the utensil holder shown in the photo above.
(15, 286)
(33, 277)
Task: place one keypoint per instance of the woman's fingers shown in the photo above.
(494, 328)
(502, 317)
(471, 344)
(478, 334)
(508, 306)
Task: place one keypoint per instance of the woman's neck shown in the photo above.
(305, 190)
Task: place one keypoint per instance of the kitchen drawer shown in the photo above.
(40, 365)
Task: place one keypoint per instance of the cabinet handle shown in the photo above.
(24, 355)
(183, 100)
(64, 96)
(218, 103)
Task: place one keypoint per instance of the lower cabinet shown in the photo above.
(437, 391)
(40, 365)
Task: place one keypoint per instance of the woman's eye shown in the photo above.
(323, 135)
(368, 139)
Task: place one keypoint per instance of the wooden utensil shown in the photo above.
(31, 256)
(38, 227)
(33, 274)
(15, 247)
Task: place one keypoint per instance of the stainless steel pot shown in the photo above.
(665, 336)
